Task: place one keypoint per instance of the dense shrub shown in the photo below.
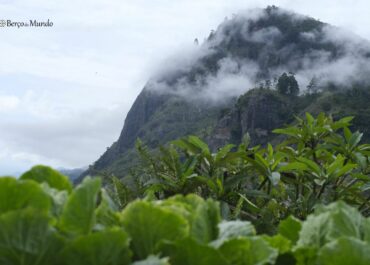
(44, 225)
(317, 161)
(303, 201)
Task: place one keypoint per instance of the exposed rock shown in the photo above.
(257, 112)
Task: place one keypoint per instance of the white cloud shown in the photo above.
(71, 140)
(234, 75)
(8, 103)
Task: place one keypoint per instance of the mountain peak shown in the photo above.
(260, 44)
(253, 20)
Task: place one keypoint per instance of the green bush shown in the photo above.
(181, 230)
(318, 161)
(304, 201)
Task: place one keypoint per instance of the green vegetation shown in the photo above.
(304, 201)
(318, 161)
(248, 194)
(55, 226)
(257, 112)
(288, 85)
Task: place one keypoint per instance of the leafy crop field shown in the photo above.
(303, 201)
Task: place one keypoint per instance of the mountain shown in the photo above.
(73, 174)
(225, 87)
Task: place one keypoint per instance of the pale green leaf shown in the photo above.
(290, 228)
(26, 238)
(110, 246)
(78, 216)
(148, 225)
(17, 194)
(248, 251)
(345, 251)
(50, 176)
(152, 260)
(233, 229)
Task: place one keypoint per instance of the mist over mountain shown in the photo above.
(73, 173)
(210, 90)
(260, 44)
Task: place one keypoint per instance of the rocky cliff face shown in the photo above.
(155, 119)
(250, 48)
(140, 113)
(257, 113)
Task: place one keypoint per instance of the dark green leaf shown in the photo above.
(188, 251)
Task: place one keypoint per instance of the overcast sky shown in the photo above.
(65, 90)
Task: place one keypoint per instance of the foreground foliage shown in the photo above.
(317, 161)
(44, 221)
(303, 201)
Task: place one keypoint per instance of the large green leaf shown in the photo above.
(15, 194)
(344, 221)
(152, 260)
(233, 229)
(306, 255)
(223, 152)
(291, 131)
(345, 251)
(149, 224)
(78, 215)
(313, 166)
(329, 223)
(203, 215)
(58, 198)
(290, 228)
(199, 144)
(293, 166)
(107, 247)
(366, 230)
(279, 242)
(106, 213)
(314, 231)
(27, 239)
(188, 251)
(248, 251)
(50, 176)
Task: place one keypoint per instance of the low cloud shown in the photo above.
(220, 69)
(231, 79)
(8, 103)
(68, 141)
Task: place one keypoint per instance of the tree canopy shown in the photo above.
(288, 85)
